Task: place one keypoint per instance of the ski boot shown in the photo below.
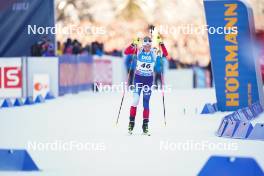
(145, 127)
(131, 125)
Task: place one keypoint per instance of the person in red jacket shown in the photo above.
(143, 78)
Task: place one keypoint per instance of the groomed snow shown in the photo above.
(90, 117)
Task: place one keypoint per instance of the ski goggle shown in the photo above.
(146, 42)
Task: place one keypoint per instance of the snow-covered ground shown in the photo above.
(89, 118)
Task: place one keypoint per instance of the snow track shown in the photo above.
(89, 118)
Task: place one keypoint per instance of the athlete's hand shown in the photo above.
(159, 40)
(136, 41)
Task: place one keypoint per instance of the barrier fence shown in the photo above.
(75, 73)
(31, 76)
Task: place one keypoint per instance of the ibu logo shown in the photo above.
(20, 6)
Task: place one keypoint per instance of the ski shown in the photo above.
(130, 133)
(146, 134)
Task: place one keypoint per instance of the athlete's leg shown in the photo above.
(146, 98)
(147, 86)
(136, 96)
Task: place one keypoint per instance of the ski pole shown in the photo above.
(163, 97)
(124, 91)
(162, 88)
(152, 28)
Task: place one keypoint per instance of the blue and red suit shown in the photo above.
(143, 80)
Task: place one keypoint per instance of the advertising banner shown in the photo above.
(25, 23)
(10, 77)
(235, 67)
(37, 68)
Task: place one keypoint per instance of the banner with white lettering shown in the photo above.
(10, 77)
(25, 23)
(236, 70)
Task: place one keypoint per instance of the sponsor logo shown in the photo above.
(39, 86)
(10, 77)
(147, 58)
(231, 59)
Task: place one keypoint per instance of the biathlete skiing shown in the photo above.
(143, 77)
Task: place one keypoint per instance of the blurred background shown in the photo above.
(125, 19)
(51, 49)
(70, 28)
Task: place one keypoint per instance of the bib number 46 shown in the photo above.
(144, 65)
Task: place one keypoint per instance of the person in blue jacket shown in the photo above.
(158, 70)
(145, 57)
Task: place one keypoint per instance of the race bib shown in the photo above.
(145, 68)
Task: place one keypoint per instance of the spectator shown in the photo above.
(44, 47)
(36, 49)
(97, 48)
(59, 49)
(68, 47)
(76, 47)
(50, 51)
(159, 69)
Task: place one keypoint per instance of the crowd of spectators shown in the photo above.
(45, 47)
(75, 47)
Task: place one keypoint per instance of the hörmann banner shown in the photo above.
(236, 70)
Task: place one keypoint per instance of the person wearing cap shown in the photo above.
(143, 77)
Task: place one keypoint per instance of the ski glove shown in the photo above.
(136, 41)
(159, 40)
